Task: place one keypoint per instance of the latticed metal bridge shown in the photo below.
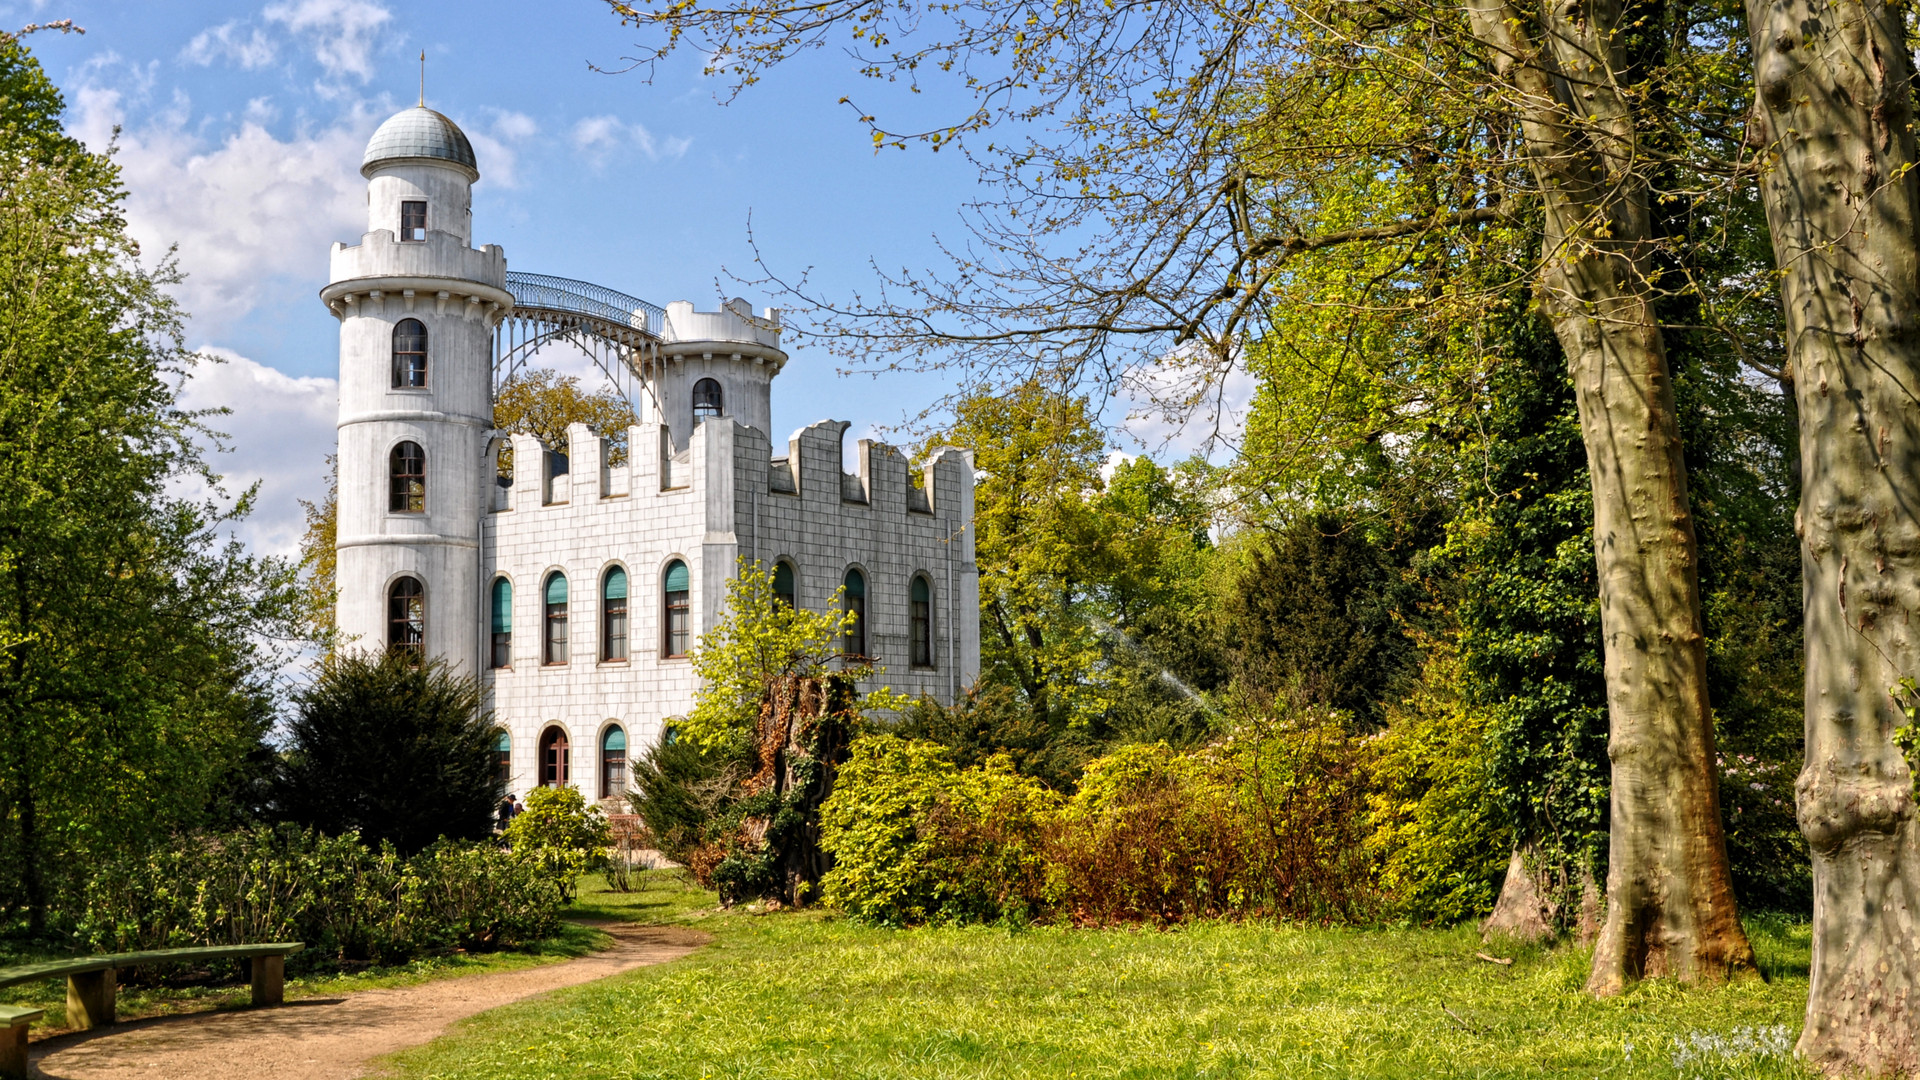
(618, 332)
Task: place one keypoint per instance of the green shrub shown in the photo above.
(346, 901)
(394, 748)
(1438, 832)
(916, 839)
(1156, 836)
(564, 835)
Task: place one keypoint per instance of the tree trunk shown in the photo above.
(1834, 106)
(1523, 912)
(1670, 907)
(802, 738)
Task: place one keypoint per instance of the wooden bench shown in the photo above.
(92, 983)
(13, 1040)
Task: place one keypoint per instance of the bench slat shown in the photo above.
(15, 1015)
(54, 969)
(208, 952)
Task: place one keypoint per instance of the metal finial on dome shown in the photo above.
(423, 78)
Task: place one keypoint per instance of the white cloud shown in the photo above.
(496, 146)
(1184, 406)
(341, 32)
(280, 431)
(597, 136)
(252, 209)
(226, 42)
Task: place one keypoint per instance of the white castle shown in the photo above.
(577, 588)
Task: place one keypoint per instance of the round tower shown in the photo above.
(417, 305)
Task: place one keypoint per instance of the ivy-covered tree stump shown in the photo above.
(800, 742)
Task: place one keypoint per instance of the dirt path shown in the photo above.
(332, 1038)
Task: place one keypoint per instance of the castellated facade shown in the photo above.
(576, 586)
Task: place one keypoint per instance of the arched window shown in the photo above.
(613, 615)
(783, 589)
(921, 613)
(553, 758)
(410, 355)
(854, 596)
(502, 623)
(675, 587)
(555, 648)
(407, 479)
(407, 616)
(503, 755)
(613, 763)
(706, 400)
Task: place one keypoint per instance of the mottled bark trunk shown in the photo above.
(1833, 111)
(1670, 907)
(1522, 913)
(1533, 901)
(802, 739)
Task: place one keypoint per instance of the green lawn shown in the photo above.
(803, 996)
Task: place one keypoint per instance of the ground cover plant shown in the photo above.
(807, 995)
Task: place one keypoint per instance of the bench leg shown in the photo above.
(90, 999)
(269, 980)
(13, 1052)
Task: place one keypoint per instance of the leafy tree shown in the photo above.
(393, 747)
(542, 402)
(564, 833)
(759, 641)
(1316, 614)
(134, 643)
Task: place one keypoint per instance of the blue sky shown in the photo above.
(241, 128)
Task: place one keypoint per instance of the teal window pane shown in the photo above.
(557, 589)
(678, 579)
(503, 742)
(616, 739)
(502, 606)
(921, 594)
(856, 583)
(616, 584)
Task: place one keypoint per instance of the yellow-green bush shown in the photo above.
(916, 839)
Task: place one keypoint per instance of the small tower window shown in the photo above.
(613, 616)
(706, 400)
(613, 763)
(556, 644)
(413, 221)
(922, 615)
(407, 616)
(407, 476)
(502, 623)
(553, 758)
(409, 355)
(854, 597)
(676, 586)
(783, 587)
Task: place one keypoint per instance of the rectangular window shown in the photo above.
(413, 221)
(556, 633)
(922, 633)
(678, 616)
(502, 649)
(613, 774)
(615, 633)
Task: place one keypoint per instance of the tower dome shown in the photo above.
(419, 134)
